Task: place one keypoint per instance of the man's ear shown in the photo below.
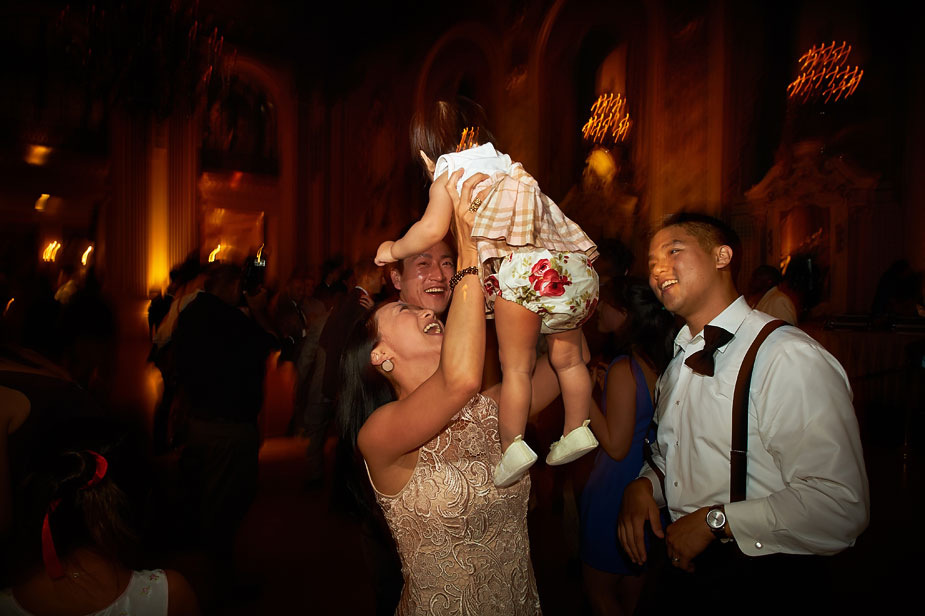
(395, 277)
(428, 163)
(723, 256)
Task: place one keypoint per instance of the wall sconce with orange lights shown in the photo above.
(86, 255)
(41, 201)
(214, 254)
(37, 154)
(609, 122)
(823, 74)
(51, 251)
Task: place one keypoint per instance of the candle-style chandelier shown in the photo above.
(609, 122)
(824, 74)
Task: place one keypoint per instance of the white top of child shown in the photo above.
(480, 159)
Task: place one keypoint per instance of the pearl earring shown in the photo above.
(387, 365)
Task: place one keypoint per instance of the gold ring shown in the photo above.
(475, 205)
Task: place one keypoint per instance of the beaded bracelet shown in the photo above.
(463, 272)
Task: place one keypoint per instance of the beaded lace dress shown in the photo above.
(462, 541)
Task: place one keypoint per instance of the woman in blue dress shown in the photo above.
(641, 343)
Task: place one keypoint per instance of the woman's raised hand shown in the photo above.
(463, 212)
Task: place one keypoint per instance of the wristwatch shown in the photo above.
(716, 520)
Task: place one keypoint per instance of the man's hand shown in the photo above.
(366, 301)
(638, 508)
(687, 538)
(384, 254)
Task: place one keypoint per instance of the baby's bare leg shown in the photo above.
(517, 329)
(574, 380)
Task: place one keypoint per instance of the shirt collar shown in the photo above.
(729, 319)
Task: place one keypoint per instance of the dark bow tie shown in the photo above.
(701, 362)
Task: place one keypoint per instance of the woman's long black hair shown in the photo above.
(650, 329)
(363, 389)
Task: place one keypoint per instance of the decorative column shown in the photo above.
(182, 202)
(158, 265)
(124, 241)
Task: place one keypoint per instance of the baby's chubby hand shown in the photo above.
(384, 254)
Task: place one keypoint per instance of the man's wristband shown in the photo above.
(473, 269)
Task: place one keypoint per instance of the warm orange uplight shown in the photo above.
(51, 251)
(235, 180)
(8, 304)
(214, 254)
(783, 264)
(609, 121)
(823, 74)
(86, 255)
(41, 201)
(37, 154)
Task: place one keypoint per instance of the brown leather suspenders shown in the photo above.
(738, 454)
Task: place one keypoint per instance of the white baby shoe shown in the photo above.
(572, 446)
(517, 458)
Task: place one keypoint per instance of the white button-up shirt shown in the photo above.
(806, 489)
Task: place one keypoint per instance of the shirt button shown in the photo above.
(677, 443)
(676, 484)
(677, 402)
(758, 545)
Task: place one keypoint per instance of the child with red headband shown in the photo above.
(78, 539)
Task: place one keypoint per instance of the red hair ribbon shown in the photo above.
(49, 555)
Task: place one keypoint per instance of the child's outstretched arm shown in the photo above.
(426, 232)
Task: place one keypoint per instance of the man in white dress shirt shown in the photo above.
(766, 295)
(806, 488)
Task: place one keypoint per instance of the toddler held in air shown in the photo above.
(535, 269)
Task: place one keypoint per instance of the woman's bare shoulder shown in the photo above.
(181, 599)
(373, 429)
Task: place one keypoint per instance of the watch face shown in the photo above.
(716, 518)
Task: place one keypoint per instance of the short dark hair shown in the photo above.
(709, 231)
(437, 129)
(221, 276)
(763, 278)
(399, 266)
